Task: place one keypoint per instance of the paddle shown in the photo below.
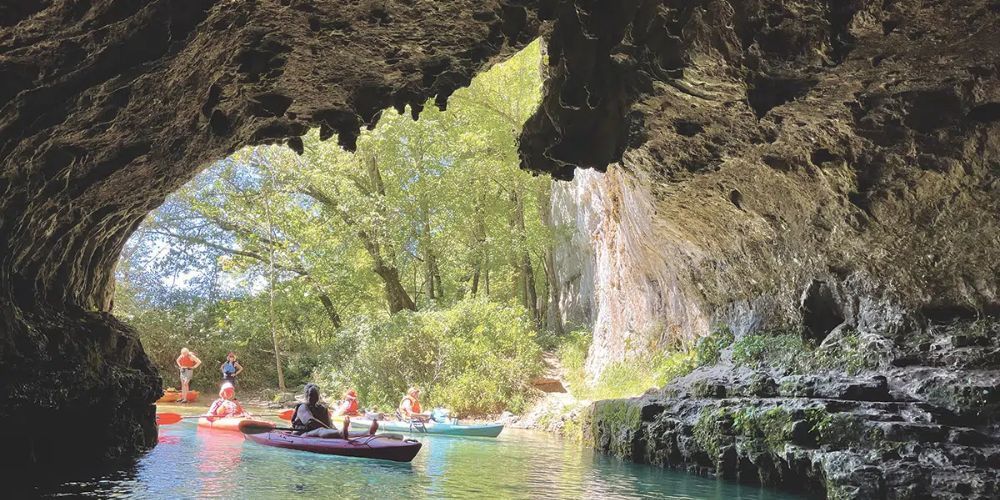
(250, 427)
(172, 418)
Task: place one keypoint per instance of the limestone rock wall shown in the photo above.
(783, 164)
(618, 274)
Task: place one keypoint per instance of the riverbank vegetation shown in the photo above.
(422, 258)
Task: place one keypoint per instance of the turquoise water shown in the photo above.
(196, 463)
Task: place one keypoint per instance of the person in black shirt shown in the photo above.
(312, 418)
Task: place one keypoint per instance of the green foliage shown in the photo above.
(769, 349)
(847, 354)
(572, 354)
(835, 430)
(476, 357)
(212, 329)
(424, 215)
(709, 347)
(624, 379)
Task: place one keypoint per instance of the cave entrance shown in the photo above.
(315, 264)
(821, 310)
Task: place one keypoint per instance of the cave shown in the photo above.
(821, 312)
(109, 106)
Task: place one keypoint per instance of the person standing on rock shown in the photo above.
(187, 362)
(231, 368)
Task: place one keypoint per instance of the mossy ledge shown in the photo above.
(909, 427)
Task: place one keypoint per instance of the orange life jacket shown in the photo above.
(350, 407)
(414, 404)
(186, 361)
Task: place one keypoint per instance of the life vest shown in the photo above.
(414, 404)
(350, 407)
(186, 361)
(225, 408)
(229, 368)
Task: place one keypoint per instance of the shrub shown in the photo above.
(769, 349)
(848, 353)
(710, 347)
(622, 379)
(476, 357)
(572, 354)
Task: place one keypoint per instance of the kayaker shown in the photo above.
(312, 418)
(226, 405)
(409, 407)
(187, 362)
(349, 406)
(231, 368)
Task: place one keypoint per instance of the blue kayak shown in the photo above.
(440, 428)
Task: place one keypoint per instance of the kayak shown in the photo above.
(170, 396)
(229, 423)
(440, 428)
(377, 446)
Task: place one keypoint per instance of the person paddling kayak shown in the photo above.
(349, 406)
(409, 407)
(226, 405)
(187, 362)
(312, 418)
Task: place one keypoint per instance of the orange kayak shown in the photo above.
(171, 396)
(229, 423)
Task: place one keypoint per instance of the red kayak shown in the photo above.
(378, 446)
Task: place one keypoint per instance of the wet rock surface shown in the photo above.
(909, 432)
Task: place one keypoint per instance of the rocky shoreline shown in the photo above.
(923, 425)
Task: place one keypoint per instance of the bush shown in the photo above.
(476, 357)
(709, 348)
(769, 349)
(622, 379)
(572, 354)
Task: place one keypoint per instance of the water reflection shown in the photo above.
(192, 463)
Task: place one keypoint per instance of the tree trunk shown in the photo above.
(475, 278)
(553, 313)
(274, 332)
(525, 270)
(395, 293)
(331, 311)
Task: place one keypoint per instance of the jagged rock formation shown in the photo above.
(800, 167)
(791, 163)
(110, 105)
(922, 426)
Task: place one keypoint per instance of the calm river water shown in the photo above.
(195, 463)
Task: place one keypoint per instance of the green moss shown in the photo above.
(616, 414)
(619, 420)
(847, 354)
(711, 431)
(772, 428)
(836, 430)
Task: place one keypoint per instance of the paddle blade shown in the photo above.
(168, 418)
(251, 427)
(287, 414)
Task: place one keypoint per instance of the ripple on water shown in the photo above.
(190, 462)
